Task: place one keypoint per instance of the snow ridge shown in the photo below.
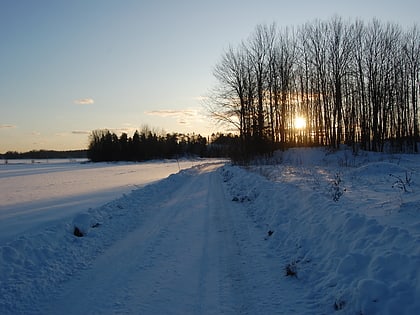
(346, 257)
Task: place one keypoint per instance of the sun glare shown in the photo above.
(300, 122)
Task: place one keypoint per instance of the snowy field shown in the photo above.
(314, 233)
(34, 192)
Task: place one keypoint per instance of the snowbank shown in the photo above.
(347, 257)
(34, 264)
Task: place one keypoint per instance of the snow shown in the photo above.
(47, 190)
(307, 232)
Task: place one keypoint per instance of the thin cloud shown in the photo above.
(84, 101)
(5, 126)
(184, 117)
(118, 130)
(172, 113)
(80, 132)
(121, 130)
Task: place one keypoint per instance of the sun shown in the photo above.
(300, 122)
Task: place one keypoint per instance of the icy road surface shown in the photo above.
(194, 253)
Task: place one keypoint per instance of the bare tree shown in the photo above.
(227, 103)
(411, 53)
(354, 83)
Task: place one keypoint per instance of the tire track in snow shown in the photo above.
(196, 252)
(153, 266)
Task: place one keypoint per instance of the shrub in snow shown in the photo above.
(227, 175)
(291, 269)
(400, 183)
(241, 199)
(77, 232)
(270, 232)
(339, 305)
(81, 224)
(336, 189)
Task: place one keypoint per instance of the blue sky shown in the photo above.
(69, 67)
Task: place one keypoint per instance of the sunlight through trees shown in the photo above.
(355, 83)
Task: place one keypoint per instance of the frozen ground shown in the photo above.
(318, 233)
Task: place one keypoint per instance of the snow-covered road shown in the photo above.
(194, 253)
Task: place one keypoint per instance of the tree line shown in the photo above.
(354, 83)
(105, 145)
(44, 154)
